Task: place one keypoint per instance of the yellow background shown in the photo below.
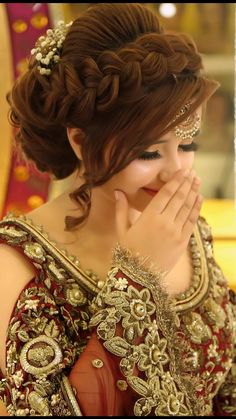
(221, 216)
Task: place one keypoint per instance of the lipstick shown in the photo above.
(150, 191)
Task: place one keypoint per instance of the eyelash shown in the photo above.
(152, 155)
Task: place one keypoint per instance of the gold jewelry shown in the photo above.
(190, 126)
(97, 363)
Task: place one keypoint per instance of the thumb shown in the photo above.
(122, 214)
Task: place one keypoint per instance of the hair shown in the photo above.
(119, 77)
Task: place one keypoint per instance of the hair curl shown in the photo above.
(119, 77)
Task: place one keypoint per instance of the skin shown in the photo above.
(108, 219)
(139, 174)
(128, 219)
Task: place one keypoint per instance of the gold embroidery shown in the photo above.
(197, 330)
(75, 296)
(40, 355)
(122, 385)
(38, 404)
(69, 263)
(206, 313)
(135, 309)
(70, 396)
(97, 363)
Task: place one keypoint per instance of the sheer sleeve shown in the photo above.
(225, 400)
(134, 347)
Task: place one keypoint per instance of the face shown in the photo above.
(147, 174)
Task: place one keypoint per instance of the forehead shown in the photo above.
(185, 130)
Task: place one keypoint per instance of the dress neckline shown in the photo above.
(199, 283)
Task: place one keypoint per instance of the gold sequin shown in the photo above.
(122, 385)
(97, 363)
(100, 284)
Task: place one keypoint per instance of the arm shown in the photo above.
(38, 349)
(3, 410)
(38, 353)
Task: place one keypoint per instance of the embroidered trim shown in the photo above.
(37, 251)
(182, 305)
(70, 396)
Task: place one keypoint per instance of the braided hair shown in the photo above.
(120, 75)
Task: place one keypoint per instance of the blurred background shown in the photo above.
(212, 25)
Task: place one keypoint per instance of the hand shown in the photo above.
(163, 230)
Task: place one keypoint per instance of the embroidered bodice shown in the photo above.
(168, 356)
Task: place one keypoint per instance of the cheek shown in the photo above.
(138, 174)
(187, 160)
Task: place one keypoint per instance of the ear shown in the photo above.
(74, 136)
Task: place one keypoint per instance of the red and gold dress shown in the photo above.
(122, 346)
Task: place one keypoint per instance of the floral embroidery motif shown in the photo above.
(153, 355)
(198, 331)
(121, 284)
(50, 324)
(75, 296)
(136, 309)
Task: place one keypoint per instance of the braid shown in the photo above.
(98, 85)
(115, 74)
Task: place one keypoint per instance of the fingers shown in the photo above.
(192, 218)
(160, 201)
(187, 206)
(180, 197)
(122, 214)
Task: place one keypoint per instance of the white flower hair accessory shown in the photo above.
(48, 48)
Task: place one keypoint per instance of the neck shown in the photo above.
(101, 219)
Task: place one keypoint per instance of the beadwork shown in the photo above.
(190, 126)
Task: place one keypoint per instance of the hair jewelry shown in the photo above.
(48, 48)
(190, 126)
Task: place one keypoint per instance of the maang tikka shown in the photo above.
(190, 126)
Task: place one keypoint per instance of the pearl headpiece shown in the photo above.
(48, 48)
(190, 126)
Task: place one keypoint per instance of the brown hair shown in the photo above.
(119, 77)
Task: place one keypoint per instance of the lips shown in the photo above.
(151, 192)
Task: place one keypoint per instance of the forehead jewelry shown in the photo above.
(190, 126)
(48, 48)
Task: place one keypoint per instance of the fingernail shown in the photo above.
(197, 180)
(186, 173)
(117, 195)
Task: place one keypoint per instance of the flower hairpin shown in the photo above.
(48, 48)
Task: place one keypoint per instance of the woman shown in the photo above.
(113, 303)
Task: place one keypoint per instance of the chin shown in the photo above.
(139, 204)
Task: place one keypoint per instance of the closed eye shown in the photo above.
(152, 155)
(149, 155)
(189, 147)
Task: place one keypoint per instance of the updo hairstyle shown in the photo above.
(119, 76)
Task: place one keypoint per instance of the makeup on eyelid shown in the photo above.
(151, 155)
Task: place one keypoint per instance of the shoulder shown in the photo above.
(14, 265)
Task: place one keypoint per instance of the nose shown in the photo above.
(172, 165)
